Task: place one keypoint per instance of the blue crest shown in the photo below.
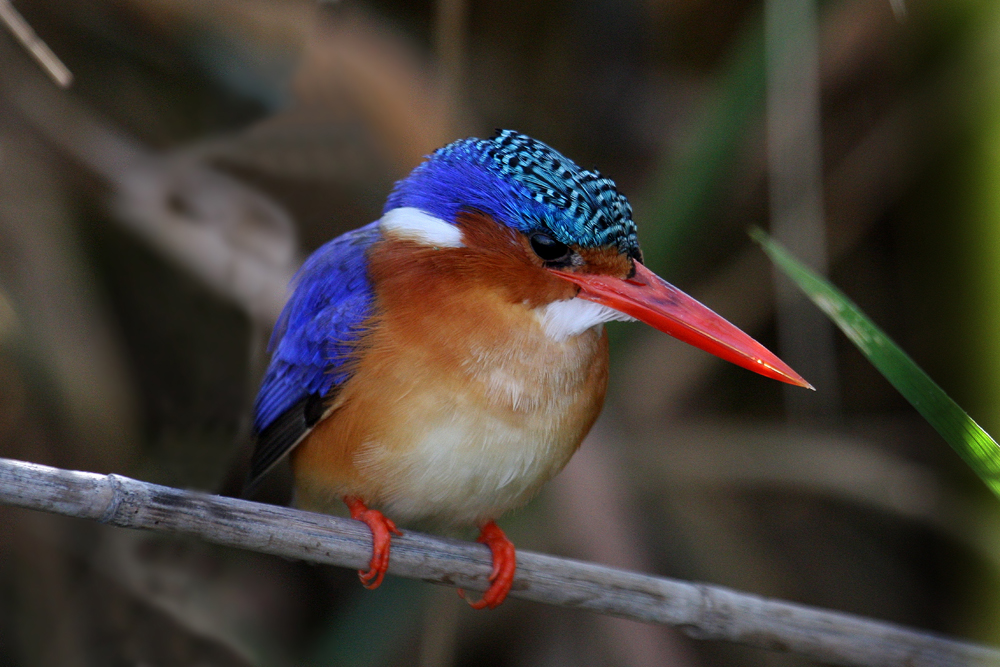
(524, 184)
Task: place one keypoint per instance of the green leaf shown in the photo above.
(972, 443)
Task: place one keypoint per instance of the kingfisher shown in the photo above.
(443, 362)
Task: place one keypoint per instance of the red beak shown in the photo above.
(649, 298)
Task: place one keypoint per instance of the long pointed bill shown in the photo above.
(647, 297)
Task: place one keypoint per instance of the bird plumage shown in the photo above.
(522, 184)
(312, 345)
(443, 362)
(516, 181)
(462, 405)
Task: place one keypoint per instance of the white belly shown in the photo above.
(473, 454)
(466, 470)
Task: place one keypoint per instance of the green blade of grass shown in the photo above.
(972, 443)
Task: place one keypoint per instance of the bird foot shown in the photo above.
(381, 528)
(504, 565)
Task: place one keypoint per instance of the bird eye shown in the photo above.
(548, 248)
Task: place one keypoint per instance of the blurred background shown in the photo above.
(152, 214)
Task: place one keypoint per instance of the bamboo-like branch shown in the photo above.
(700, 610)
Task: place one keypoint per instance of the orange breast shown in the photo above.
(461, 406)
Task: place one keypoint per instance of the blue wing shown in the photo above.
(314, 337)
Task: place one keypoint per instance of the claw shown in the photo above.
(504, 565)
(381, 528)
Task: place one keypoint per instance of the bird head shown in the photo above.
(567, 237)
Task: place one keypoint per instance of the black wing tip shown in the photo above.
(250, 486)
(281, 436)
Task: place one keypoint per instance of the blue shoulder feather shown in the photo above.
(319, 325)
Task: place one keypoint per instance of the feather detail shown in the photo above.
(313, 348)
(412, 224)
(523, 184)
(462, 411)
(564, 319)
(282, 435)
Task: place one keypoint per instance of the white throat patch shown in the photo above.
(571, 317)
(413, 224)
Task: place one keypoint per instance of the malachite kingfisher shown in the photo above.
(445, 361)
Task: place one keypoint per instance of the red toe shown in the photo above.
(381, 528)
(504, 565)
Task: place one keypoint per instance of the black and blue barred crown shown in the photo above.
(525, 184)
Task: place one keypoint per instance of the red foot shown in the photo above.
(380, 527)
(504, 564)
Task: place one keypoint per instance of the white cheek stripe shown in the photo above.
(564, 319)
(413, 224)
